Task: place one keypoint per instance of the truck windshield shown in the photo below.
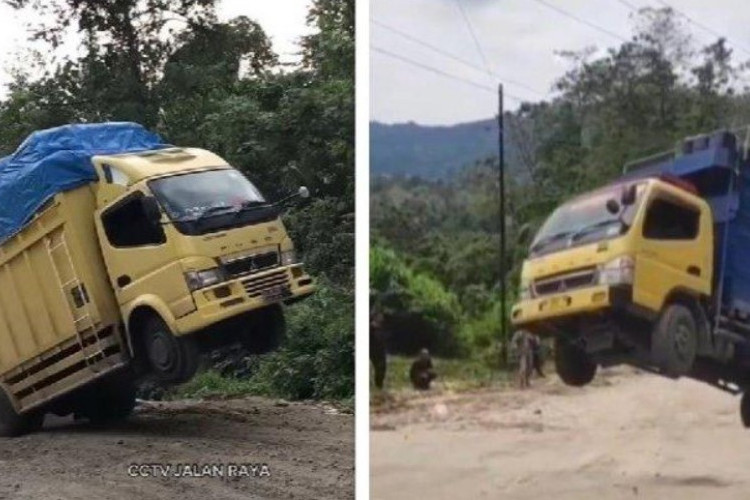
(585, 219)
(205, 194)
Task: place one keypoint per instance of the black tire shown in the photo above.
(674, 341)
(573, 365)
(745, 409)
(13, 424)
(265, 330)
(170, 359)
(110, 400)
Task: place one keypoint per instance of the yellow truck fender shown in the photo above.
(146, 302)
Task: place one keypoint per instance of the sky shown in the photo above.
(517, 38)
(283, 21)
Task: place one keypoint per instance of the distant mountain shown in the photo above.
(431, 152)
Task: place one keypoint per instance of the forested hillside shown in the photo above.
(174, 67)
(434, 267)
(429, 152)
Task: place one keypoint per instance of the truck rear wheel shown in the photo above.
(13, 424)
(574, 366)
(674, 341)
(171, 359)
(265, 330)
(745, 408)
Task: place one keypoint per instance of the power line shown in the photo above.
(454, 57)
(431, 69)
(704, 27)
(581, 20)
(629, 5)
(439, 71)
(474, 37)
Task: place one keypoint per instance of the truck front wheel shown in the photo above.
(674, 341)
(573, 365)
(171, 359)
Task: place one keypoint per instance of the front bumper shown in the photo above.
(240, 295)
(581, 301)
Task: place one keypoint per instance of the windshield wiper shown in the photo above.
(549, 239)
(251, 205)
(593, 227)
(213, 210)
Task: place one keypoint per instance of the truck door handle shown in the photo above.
(694, 270)
(123, 280)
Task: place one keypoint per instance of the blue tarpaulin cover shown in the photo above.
(59, 159)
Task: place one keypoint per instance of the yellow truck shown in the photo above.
(122, 257)
(651, 270)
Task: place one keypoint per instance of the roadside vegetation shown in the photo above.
(435, 256)
(172, 66)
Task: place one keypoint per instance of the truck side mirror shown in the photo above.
(613, 207)
(151, 209)
(302, 193)
(627, 197)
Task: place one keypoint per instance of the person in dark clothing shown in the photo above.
(421, 372)
(522, 345)
(536, 355)
(378, 356)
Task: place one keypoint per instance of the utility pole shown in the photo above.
(501, 173)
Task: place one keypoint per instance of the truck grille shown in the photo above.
(251, 263)
(272, 282)
(564, 282)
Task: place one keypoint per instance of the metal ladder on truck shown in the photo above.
(84, 321)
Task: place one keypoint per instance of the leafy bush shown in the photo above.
(324, 232)
(482, 331)
(317, 359)
(210, 384)
(418, 311)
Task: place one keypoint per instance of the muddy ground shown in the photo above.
(629, 435)
(308, 451)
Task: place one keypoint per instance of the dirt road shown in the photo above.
(308, 450)
(631, 435)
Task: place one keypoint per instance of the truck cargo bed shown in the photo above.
(59, 322)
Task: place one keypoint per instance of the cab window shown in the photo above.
(126, 225)
(669, 220)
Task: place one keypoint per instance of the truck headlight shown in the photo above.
(617, 271)
(201, 279)
(288, 257)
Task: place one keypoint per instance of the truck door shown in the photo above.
(675, 250)
(140, 258)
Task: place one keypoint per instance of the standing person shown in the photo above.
(522, 344)
(536, 350)
(378, 355)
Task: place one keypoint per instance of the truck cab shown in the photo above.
(622, 274)
(196, 256)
